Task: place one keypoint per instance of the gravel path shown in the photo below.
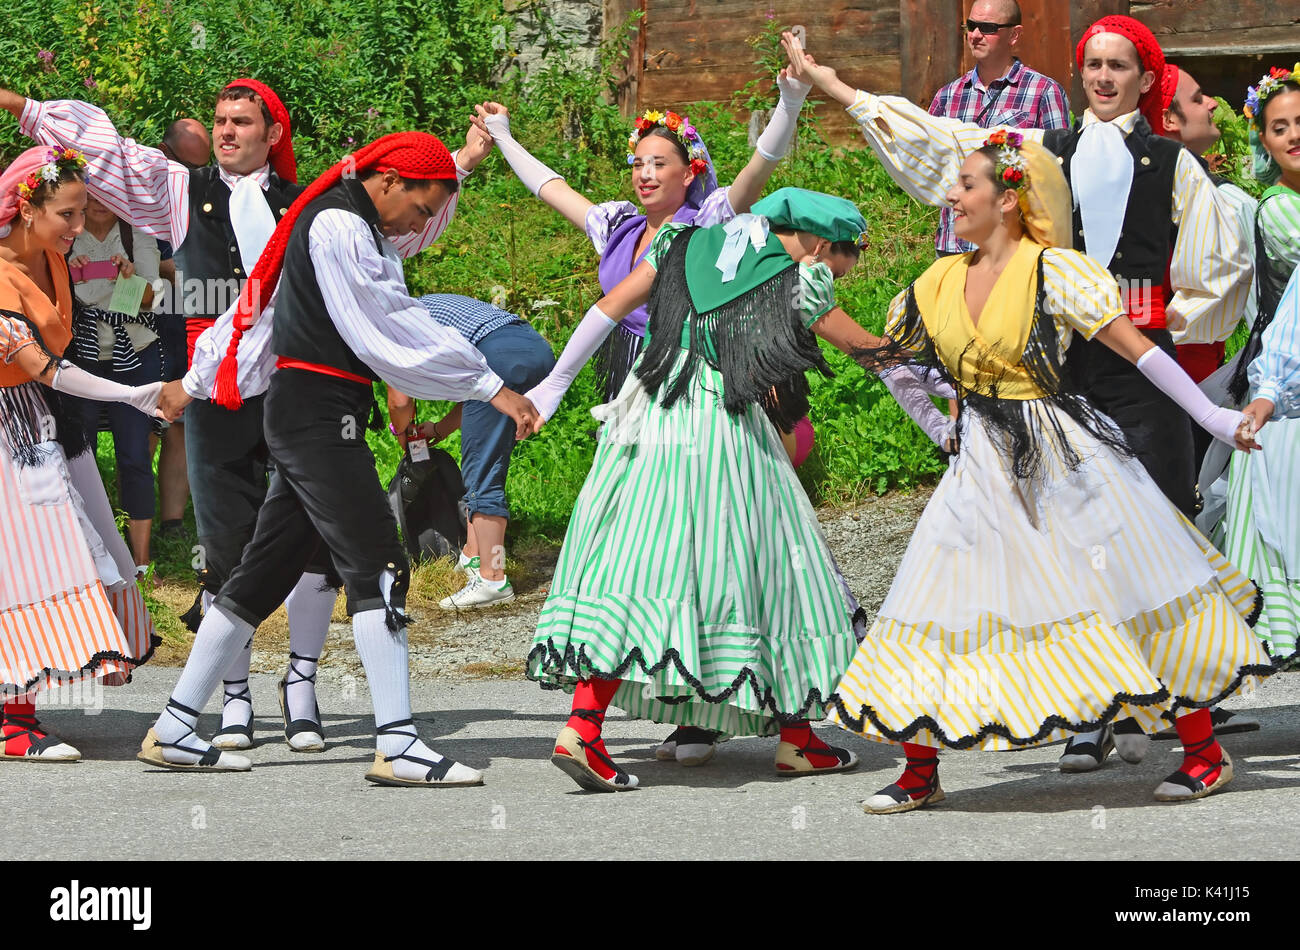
(868, 542)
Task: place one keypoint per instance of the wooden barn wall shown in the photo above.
(695, 50)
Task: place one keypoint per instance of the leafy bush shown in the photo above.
(349, 72)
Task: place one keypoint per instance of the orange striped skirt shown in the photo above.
(69, 607)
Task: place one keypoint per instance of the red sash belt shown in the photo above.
(285, 363)
(1145, 305)
(194, 327)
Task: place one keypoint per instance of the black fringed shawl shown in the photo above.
(32, 413)
(757, 341)
(1022, 444)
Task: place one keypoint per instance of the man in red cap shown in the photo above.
(339, 318)
(1188, 117)
(219, 218)
(1130, 186)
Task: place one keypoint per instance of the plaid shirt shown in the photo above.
(1021, 99)
(472, 319)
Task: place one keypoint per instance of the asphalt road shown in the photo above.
(1000, 805)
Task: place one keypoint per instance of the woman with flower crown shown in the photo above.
(1049, 588)
(1262, 521)
(694, 585)
(674, 181)
(69, 608)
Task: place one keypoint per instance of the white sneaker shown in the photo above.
(469, 566)
(479, 593)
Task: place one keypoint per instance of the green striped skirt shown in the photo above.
(1262, 532)
(694, 569)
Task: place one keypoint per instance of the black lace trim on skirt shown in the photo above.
(96, 661)
(576, 664)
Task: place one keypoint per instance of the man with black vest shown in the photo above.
(1130, 185)
(331, 291)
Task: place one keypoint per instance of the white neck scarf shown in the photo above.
(252, 220)
(1101, 174)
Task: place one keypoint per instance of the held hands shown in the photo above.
(803, 68)
(519, 408)
(478, 143)
(491, 118)
(172, 400)
(792, 89)
(1256, 415)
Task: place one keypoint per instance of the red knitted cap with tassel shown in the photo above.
(1151, 56)
(417, 155)
(281, 157)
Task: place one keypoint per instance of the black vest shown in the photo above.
(1144, 246)
(303, 329)
(208, 261)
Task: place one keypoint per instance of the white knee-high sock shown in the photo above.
(221, 635)
(384, 655)
(309, 605)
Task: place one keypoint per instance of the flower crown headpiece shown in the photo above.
(1269, 84)
(1010, 167)
(680, 126)
(57, 162)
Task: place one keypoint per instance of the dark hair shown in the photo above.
(451, 184)
(243, 92)
(663, 133)
(1176, 110)
(1287, 85)
(47, 189)
(838, 247)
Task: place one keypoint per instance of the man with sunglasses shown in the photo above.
(999, 91)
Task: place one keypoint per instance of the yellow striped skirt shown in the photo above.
(1024, 611)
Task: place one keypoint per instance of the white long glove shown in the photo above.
(586, 340)
(527, 169)
(1170, 378)
(75, 381)
(932, 382)
(776, 138)
(904, 386)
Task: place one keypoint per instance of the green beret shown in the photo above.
(829, 217)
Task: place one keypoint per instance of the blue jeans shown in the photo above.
(131, 429)
(518, 354)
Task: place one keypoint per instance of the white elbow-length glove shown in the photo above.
(75, 381)
(527, 169)
(1172, 380)
(586, 340)
(775, 140)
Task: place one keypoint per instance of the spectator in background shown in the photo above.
(122, 347)
(522, 358)
(999, 91)
(185, 141)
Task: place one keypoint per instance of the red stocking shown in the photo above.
(922, 763)
(19, 716)
(590, 700)
(1202, 757)
(816, 751)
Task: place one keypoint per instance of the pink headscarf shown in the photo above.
(15, 175)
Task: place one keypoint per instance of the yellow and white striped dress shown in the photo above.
(1028, 609)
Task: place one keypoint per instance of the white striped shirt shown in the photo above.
(1211, 269)
(140, 184)
(366, 296)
